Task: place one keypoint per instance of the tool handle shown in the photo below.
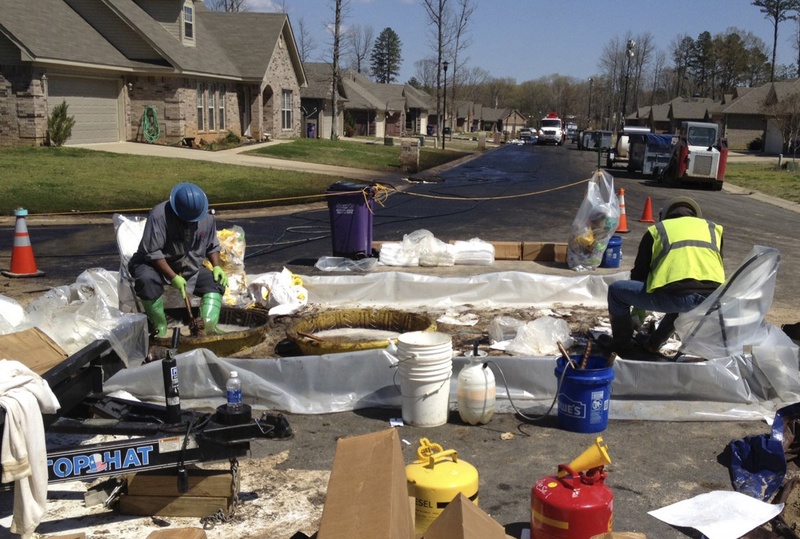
(585, 358)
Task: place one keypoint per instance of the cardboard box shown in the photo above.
(33, 348)
(462, 519)
(507, 250)
(367, 491)
(536, 251)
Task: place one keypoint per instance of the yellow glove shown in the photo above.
(179, 283)
(220, 276)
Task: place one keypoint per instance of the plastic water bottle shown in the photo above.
(233, 387)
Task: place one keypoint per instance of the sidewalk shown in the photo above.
(236, 156)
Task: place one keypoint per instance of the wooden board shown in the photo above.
(173, 506)
(201, 483)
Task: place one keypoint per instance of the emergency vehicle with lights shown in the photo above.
(551, 130)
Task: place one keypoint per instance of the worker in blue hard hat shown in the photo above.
(678, 264)
(179, 235)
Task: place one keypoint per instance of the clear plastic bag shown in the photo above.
(734, 315)
(595, 223)
(540, 338)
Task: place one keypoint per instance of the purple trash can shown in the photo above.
(350, 209)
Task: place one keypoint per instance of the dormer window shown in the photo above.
(188, 22)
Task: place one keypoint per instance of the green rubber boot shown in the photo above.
(209, 312)
(155, 313)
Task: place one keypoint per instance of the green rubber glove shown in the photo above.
(220, 276)
(179, 283)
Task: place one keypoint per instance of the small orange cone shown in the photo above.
(623, 217)
(647, 214)
(22, 262)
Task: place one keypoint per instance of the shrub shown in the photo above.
(231, 138)
(59, 125)
(755, 145)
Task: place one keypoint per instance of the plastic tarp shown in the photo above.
(74, 316)
(744, 386)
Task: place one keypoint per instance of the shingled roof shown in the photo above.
(120, 34)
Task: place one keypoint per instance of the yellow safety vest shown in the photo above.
(685, 248)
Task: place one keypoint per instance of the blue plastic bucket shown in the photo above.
(612, 256)
(585, 394)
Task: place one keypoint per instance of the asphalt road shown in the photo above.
(654, 463)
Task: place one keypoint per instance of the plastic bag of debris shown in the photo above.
(281, 292)
(596, 221)
(540, 337)
(231, 255)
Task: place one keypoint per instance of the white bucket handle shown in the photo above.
(425, 396)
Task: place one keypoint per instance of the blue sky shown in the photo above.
(528, 39)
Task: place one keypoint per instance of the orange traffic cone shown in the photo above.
(623, 218)
(647, 214)
(22, 262)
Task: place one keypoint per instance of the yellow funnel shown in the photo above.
(595, 456)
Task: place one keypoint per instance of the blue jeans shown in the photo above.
(622, 295)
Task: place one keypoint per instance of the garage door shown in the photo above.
(93, 103)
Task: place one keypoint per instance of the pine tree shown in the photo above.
(385, 59)
(60, 124)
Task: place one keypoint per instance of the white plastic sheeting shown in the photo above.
(743, 386)
(735, 388)
(747, 386)
(511, 288)
(74, 316)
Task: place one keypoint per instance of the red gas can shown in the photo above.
(571, 506)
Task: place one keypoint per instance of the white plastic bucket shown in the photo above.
(425, 365)
(424, 347)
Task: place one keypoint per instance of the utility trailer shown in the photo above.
(620, 152)
(650, 153)
(155, 437)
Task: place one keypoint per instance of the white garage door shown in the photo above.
(93, 103)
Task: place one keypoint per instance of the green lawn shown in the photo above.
(370, 155)
(75, 180)
(767, 178)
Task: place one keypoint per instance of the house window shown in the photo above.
(212, 106)
(286, 109)
(188, 22)
(201, 126)
(221, 104)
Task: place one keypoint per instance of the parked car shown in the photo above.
(528, 135)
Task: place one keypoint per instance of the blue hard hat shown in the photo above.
(189, 202)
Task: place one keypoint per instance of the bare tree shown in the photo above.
(358, 42)
(438, 18)
(339, 9)
(305, 40)
(786, 115)
(796, 42)
(425, 73)
(460, 42)
(776, 11)
(228, 6)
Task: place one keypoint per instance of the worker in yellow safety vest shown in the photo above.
(678, 264)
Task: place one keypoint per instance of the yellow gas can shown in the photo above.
(435, 478)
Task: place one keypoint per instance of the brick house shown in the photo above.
(366, 108)
(193, 73)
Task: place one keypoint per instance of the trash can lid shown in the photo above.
(347, 186)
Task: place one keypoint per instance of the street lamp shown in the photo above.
(444, 114)
(629, 53)
(591, 82)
